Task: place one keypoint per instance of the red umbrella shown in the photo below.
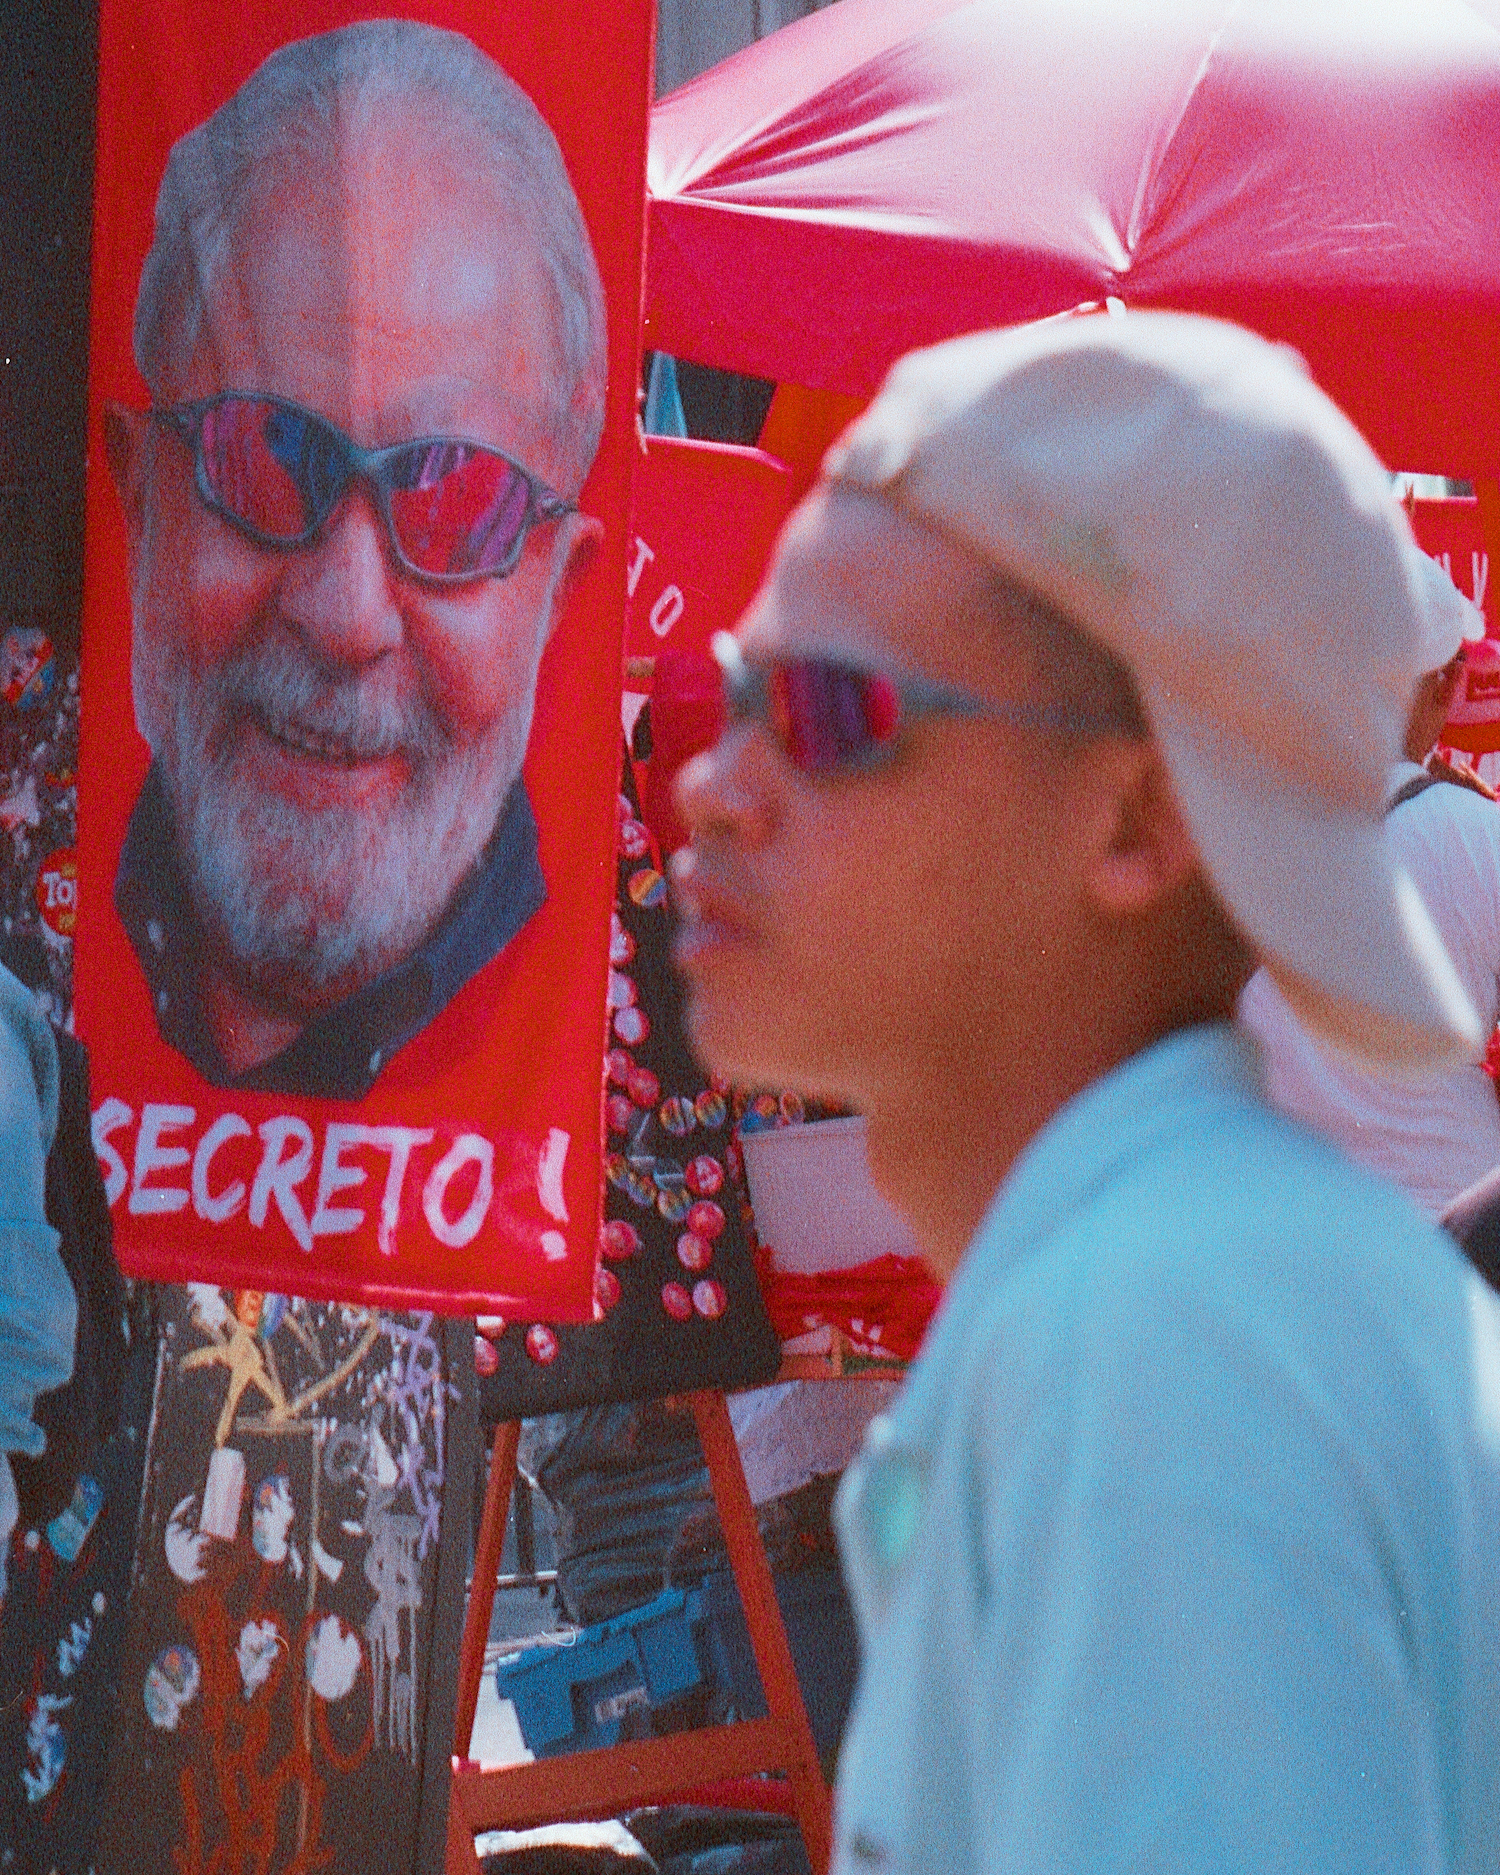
(888, 172)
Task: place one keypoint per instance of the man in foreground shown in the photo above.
(373, 330)
(1178, 1551)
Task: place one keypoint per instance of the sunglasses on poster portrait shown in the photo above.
(454, 510)
(830, 717)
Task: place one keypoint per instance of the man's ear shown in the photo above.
(125, 448)
(582, 537)
(1140, 847)
(579, 537)
(1452, 676)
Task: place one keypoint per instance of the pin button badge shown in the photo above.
(647, 888)
(541, 1344)
(673, 1202)
(643, 1087)
(619, 1240)
(711, 1109)
(704, 1176)
(709, 1298)
(706, 1219)
(632, 1025)
(694, 1252)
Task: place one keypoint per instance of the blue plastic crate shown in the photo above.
(578, 1693)
(820, 1633)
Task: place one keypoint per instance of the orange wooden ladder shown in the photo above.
(587, 1785)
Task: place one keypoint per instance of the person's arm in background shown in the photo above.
(38, 1309)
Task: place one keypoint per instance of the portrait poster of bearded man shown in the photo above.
(364, 356)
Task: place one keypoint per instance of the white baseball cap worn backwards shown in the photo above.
(1186, 494)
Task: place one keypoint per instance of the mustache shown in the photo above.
(294, 697)
(308, 904)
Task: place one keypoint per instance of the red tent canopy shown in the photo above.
(889, 172)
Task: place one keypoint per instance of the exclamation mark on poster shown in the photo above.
(549, 1189)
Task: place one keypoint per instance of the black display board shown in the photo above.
(287, 1683)
(681, 1304)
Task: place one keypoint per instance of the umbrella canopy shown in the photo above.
(886, 173)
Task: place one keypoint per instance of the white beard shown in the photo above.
(309, 905)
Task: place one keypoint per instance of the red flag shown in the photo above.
(341, 956)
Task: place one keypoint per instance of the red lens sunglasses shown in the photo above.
(454, 510)
(828, 717)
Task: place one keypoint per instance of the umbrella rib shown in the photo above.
(1154, 159)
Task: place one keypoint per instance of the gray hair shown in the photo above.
(306, 98)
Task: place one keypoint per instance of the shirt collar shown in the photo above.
(339, 1053)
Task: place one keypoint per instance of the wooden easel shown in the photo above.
(702, 1765)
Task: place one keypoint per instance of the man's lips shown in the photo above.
(319, 768)
(711, 913)
(316, 744)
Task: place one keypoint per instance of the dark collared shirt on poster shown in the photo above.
(341, 1051)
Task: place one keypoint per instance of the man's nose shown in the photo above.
(730, 789)
(341, 591)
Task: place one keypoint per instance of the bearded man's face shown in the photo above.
(337, 737)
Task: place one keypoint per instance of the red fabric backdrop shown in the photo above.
(1452, 532)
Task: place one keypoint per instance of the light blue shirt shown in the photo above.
(1181, 1548)
(38, 1309)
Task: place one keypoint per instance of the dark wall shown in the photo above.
(722, 406)
(47, 65)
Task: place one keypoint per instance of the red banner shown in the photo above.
(703, 521)
(352, 634)
(1452, 532)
